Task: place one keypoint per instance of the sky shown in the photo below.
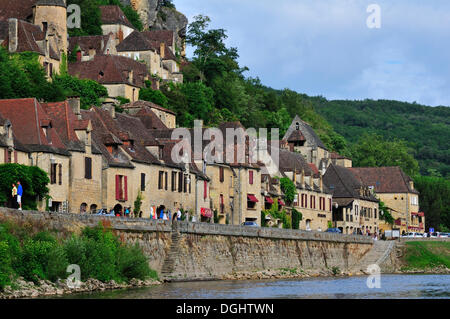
(325, 47)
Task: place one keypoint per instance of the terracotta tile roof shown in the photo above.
(20, 9)
(384, 179)
(344, 183)
(114, 15)
(59, 3)
(65, 122)
(86, 43)
(145, 104)
(335, 155)
(166, 36)
(27, 117)
(314, 169)
(110, 69)
(296, 136)
(4, 31)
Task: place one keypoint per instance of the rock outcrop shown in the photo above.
(155, 16)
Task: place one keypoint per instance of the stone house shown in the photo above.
(355, 208)
(121, 76)
(150, 47)
(300, 137)
(396, 189)
(134, 162)
(36, 26)
(114, 21)
(340, 160)
(140, 108)
(90, 46)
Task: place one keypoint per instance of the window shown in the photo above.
(142, 182)
(7, 156)
(160, 180)
(313, 202)
(174, 181)
(221, 204)
(121, 188)
(329, 203)
(185, 177)
(180, 182)
(60, 174)
(250, 177)
(205, 189)
(166, 181)
(53, 173)
(88, 168)
(221, 174)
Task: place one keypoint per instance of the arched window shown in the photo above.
(83, 208)
(308, 224)
(93, 208)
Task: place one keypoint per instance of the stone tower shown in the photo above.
(51, 16)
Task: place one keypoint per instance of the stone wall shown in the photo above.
(212, 251)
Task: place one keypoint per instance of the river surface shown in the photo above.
(392, 286)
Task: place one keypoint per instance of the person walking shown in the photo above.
(14, 196)
(19, 195)
(178, 214)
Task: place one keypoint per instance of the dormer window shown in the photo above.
(297, 126)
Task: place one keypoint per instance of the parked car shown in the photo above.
(443, 235)
(432, 235)
(413, 235)
(104, 212)
(333, 230)
(251, 224)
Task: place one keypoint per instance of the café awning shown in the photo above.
(252, 198)
(269, 200)
(281, 202)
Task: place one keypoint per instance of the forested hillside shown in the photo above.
(426, 129)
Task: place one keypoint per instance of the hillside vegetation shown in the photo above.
(427, 255)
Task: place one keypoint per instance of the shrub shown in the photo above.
(132, 263)
(288, 188)
(5, 265)
(296, 218)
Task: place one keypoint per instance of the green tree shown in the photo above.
(288, 188)
(374, 151)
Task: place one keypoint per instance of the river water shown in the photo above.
(391, 286)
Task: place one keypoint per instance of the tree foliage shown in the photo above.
(288, 189)
(33, 179)
(374, 151)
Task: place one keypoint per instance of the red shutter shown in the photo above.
(125, 187)
(306, 201)
(251, 177)
(117, 187)
(15, 156)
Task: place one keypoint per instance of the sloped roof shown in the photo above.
(110, 69)
(140, 104)
(20, 9)
(341, 181)
(114, 15)
(166, 36)
(306, 130)
(335, 155)
(4, 30)
(58, 3)
(28, 118)
(385, 179)
(296, 136)
(87, 43)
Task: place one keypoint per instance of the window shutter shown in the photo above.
(174, 181)
(180, 182)
(125, 188)
(117, 187)
(166, 177)
(205, 189)
(87, 168)
(142, 182)
(15, 157)
(60, 174)
(6, 155)
(250, 177)
(221, 174)
(329, 201)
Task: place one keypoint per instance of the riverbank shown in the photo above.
(431, 257)
(27, 289)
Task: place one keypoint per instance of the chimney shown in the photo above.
(13, 40)
(75, 105)
(162, 50)
(110, 108)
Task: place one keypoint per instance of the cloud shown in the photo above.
(325, 48)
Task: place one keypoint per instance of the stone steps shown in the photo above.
(377, 255)
(169, 263)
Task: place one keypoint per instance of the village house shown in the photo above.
(86, 47)
(114, 21)
(155, 49)
(396, 190)
(355, 208)
(340, 160)
(121, 76)
(36, 141)
(134, 162)
(140, 108)
(300, 137)
(36, 26)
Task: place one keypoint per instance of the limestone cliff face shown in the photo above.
(154, 16)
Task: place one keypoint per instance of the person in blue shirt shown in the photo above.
(19, 195)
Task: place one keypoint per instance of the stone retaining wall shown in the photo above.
(211, 251)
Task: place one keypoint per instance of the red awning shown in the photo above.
(206, 212)
(421, 214)
(269, 200)
(281, 203)
(252, 198)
